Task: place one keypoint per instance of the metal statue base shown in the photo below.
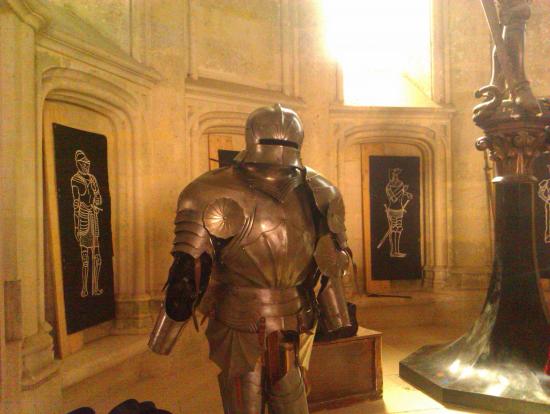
(499, 364)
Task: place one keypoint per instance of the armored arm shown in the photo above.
(332, 257)
(332, 263)
(188, 276)
(187, 281)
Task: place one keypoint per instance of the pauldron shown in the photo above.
(200, 221)
(329, 204)
(331, 255)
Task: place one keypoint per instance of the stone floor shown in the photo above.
(194, 390)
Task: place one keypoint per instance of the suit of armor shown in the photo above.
(252, 243)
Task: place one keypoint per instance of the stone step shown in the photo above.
(419, 308)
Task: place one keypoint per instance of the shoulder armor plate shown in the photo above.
(336, 215)
(190, 235)
(331, 261)
(329, 202)
(323, 191)
(223, 217)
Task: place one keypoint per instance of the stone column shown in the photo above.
(30, 378)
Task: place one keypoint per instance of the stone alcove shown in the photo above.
(398, 134)
(73, 97)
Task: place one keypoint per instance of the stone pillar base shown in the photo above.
(38, 359)
(470, 277)
(44, 398)
(40, 382)
(133, 317)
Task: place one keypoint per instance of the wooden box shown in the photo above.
(345, 371)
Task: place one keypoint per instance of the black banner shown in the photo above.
(225, 157)
(84, 206)
(395, 217)
(542, 214)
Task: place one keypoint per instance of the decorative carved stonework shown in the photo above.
(513, 142)
(515, 127)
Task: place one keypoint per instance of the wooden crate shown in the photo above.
(346, 371)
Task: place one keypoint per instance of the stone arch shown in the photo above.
(124, 109)
(434, 163)
(218, 121)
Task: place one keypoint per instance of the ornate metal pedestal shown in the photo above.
(500, 363)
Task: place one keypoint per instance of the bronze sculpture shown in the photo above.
(252, 242)
(507, 20)
(502, 362)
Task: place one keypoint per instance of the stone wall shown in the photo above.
(166, 74)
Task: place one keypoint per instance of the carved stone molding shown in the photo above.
(205, 118)
(133, 316)
(62, 32)
(231, 93)
(128, 149)
(513, 142)
(32, 12)
(426, 130)
(286, 82)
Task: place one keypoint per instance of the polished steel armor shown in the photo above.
(273, 136)
(271, 230)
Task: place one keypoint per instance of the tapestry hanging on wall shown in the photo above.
(225, 157)
(542, 213)
(395, 217)
(84, 211)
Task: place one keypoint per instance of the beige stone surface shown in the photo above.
(166, 74)
(110, 17)
(194, 390)
(238, 40)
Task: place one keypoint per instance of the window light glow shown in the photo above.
(384, 49)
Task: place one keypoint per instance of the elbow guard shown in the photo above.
(333, 306)
(184, 288)
(337, 317)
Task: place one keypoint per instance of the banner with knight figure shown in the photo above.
(225, 157)
(542, 213)
(394, 183)
(84, 210)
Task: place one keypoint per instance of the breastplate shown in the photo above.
(275, 247)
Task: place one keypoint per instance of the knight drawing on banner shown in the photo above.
(398, 199)
(86, 201)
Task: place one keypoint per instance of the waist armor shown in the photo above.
(251, 310)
